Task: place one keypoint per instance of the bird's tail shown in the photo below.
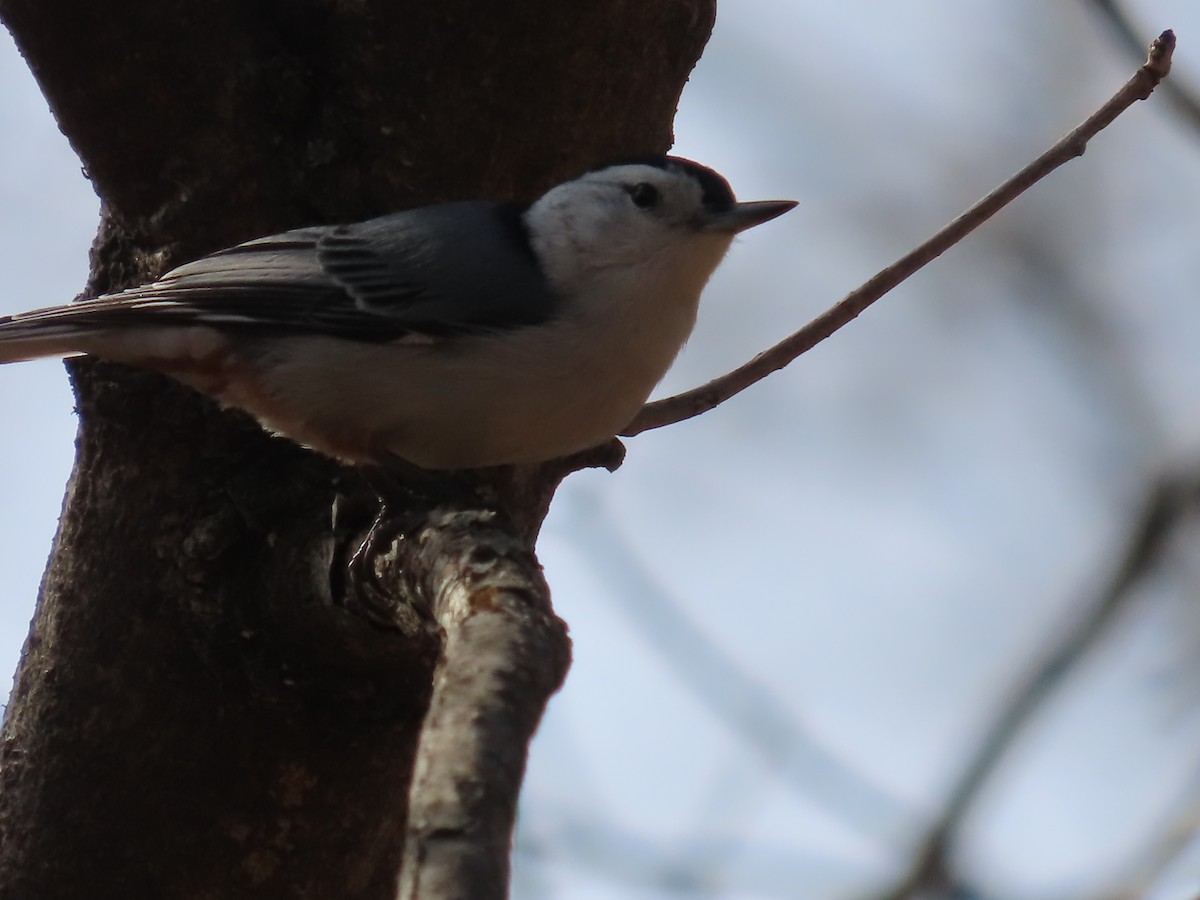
(41, 333)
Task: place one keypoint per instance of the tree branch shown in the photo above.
(1184, 100)
(702, 399)
(505, 653)
(1171, 499)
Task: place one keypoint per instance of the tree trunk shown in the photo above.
(202, 708)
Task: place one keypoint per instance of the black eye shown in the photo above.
(644, 195)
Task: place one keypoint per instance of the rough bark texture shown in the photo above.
(505, 652)
(196, 714)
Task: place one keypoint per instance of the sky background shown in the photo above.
(795, 617)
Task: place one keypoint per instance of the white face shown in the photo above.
(628, 223)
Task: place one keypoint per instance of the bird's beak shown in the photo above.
(746, 215)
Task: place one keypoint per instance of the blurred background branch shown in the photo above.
(1173, 497)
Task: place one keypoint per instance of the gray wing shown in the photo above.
(457, 268)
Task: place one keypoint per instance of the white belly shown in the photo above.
(462, 403)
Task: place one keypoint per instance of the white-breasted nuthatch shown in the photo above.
(453, 336)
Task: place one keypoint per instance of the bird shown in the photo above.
(456, 336)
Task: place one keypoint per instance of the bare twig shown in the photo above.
(1168, 502)
(1184, 100)
(504, 654)
(702, 399)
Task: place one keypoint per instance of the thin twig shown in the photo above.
(702, 399)
(1169, 501)
(1184, 100)
(504, 653)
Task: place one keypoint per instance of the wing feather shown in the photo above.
(458, 268)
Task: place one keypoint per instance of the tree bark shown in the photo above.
(201, 710)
